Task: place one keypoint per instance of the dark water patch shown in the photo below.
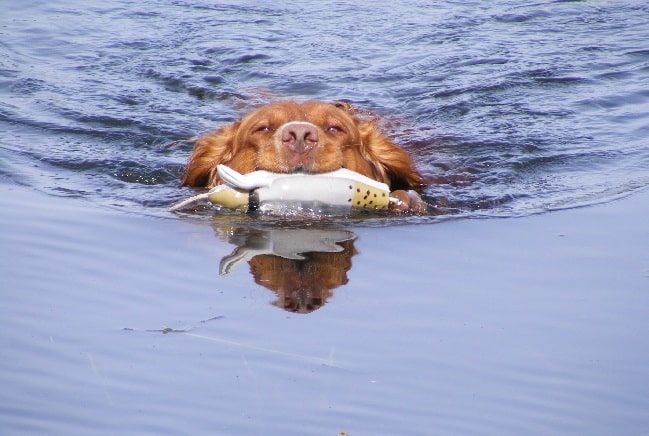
(214, 80)
(183, 85)
(235, 10)
(485, 61)
(513, 18)
(638, 53)
(144, 14)
(562, 80)
(247, 59)
(615, 75)
(28, 86)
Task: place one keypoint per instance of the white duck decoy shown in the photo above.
(334, 192)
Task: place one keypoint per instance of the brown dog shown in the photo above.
(312, 137)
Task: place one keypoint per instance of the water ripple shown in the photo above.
(508, 109)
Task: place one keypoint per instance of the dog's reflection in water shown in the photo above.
(302, 266)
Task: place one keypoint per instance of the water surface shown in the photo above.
(122, 318)
(511, 109)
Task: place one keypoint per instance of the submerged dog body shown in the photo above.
(311, 137)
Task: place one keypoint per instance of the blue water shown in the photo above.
(510, 109)
(122, 318)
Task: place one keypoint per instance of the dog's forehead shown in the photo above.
(294, 111)
(319, 108)
(281, 111)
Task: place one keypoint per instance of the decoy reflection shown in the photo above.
(302, 266)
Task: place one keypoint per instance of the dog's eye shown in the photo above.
(334, 129)
(262, 129)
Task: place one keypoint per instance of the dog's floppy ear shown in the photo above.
(391, 163)
(210, 150)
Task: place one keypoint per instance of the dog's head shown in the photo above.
(312, 137)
